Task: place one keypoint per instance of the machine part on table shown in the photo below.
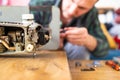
(88, 69)
(113, 64)
(78, 64)
(28, 36)
(117, 59)
(95, 63)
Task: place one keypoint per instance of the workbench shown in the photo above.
(43, 65)
(102, 72)
(51, 65)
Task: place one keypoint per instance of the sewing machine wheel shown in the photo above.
(44, 35)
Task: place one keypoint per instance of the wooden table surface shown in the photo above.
(52, 65)
(46, 65)
(102, 72)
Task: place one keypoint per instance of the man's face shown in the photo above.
(75, 8)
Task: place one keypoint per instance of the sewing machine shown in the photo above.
(21, 34)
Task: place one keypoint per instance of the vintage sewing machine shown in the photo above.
(21, 34)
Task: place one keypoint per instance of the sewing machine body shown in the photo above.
(19, 38)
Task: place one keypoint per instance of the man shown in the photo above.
(83, 35)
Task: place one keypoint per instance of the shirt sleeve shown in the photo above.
(95, 30)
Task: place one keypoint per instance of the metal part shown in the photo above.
(63, 31)
(77, 64)
(6, 45)
(113, 64)
(95, 64)
(28, 37)
(2, 48)
(88, 69)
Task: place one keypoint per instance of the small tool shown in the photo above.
(88, 69)
(77, 64)
(63, 31)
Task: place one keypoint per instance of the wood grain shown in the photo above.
(46, 65)
(103, 72)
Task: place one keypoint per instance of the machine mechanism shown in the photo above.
(23, 32)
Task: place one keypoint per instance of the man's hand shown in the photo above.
(62, 37)
(77, 36)
(80, 36)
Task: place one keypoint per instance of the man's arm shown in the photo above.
(95, 30)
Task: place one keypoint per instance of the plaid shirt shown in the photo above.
(88, 20)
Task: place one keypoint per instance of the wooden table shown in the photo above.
(103, 72)
(52, 65)
(46, 65)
